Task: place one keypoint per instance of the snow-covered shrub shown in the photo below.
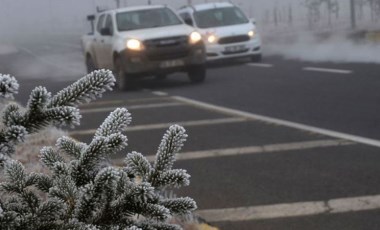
(82, 190)
(43, 109)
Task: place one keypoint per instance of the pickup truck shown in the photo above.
(144, 41)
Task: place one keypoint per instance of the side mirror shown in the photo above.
(91, 17)
(188, 21)
(106, 32)
(253, 21)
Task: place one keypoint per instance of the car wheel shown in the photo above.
(257, 58)
(90, 65)
(123, 82)
(197, 74)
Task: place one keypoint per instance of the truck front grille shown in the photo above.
(167, 48)
(234, 39)
(166, 42)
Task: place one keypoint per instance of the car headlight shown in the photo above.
(134, 44)
(195, 37)
(252, 34)
(211, 38)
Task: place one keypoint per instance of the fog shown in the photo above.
(285, 27)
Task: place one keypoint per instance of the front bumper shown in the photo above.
(217, 51)
(164, 60)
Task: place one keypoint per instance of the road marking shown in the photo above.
(114, 102)
(282, 147)
(167, 125)
(341, 205)
(101, 103)
(263, 65)
(132, 107)
(290, 124)
(339, 71)
(160, 93)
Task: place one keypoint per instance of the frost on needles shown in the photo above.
(82, 190)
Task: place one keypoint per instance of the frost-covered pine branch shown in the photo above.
(43, 109)
(82, 190)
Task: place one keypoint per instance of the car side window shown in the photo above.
(109, 24)
(187, 18)
(99, 26)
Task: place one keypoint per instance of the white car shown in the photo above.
(144, 41)
(226, 30)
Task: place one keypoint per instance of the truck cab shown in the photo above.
(144, 41)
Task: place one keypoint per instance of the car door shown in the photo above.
(98, 45)
(107, 43)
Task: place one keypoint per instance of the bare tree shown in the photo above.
(314, 10)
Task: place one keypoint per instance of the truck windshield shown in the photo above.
(142, 19)
(218, 17)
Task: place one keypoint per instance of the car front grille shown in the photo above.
(167, 48)
(234, 39)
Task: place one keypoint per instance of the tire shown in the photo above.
(90, 65)
(197, 74)
(123, 82)
(257, 58)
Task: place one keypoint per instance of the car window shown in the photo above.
(99, 26)
(142, 19)
(218, 17)
(108, 23)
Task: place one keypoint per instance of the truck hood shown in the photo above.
(159, 32)
(227, 31)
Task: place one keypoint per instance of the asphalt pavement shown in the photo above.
(283, 144)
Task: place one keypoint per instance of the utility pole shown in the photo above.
(353, 14)
(189, 2)
(149, 2)
(118, 4)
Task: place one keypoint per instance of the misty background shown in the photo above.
(290, 28)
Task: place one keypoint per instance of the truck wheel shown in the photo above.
(256, 58)
(122, 80)
(197, 74)
(90, 65)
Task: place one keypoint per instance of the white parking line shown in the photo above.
(263, 65)
(167, 125)
(341, 205)
(159, 93)
(308, 128)
(326, 70)
(282, 147)
(132, 107)
(115, 102)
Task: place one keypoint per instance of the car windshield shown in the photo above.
(142, 19)
(218, 17)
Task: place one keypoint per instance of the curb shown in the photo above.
(206, 227)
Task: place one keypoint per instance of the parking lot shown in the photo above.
(249, 170)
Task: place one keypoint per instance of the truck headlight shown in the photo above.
(195, 37)
(252, 34)
(134, 44)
